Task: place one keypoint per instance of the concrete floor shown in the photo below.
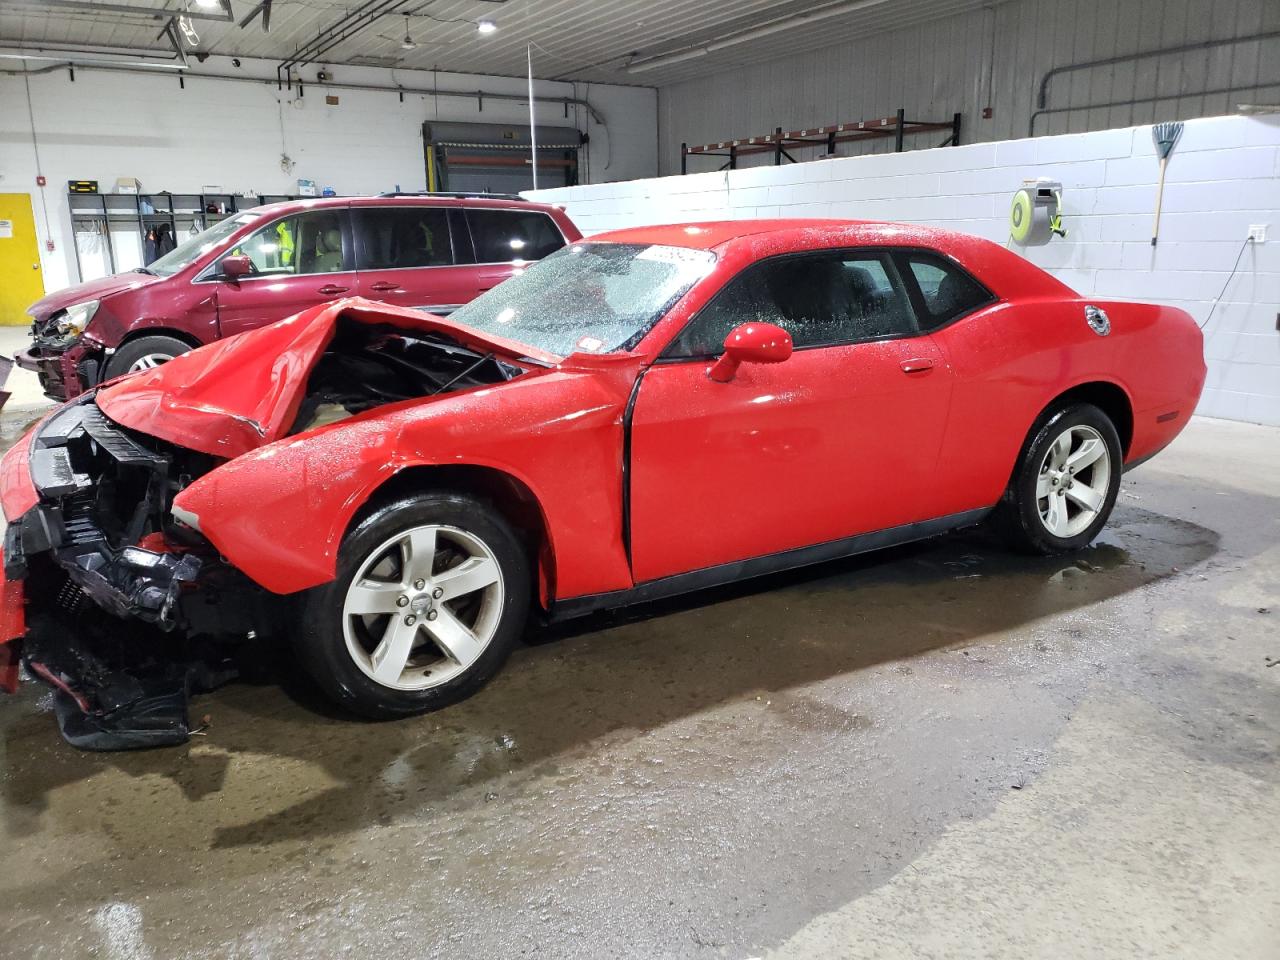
(942, 751)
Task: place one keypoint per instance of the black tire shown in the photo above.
(321, 643)
(1019, 516)
(157, 346)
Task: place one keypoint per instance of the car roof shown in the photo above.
(1001, 270)
(401, 200)
(709, 234)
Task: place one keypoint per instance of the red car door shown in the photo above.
(840, 439)
(408, 255)
(299, 261)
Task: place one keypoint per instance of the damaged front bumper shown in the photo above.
(129, 581)
(91, 544)
(65, 366)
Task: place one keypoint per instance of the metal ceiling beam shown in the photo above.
(263, 8)
(86, 6)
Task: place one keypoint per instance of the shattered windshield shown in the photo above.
(197, 246)
(589, 297)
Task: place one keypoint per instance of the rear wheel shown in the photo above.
(1066, 482)
(432, 593)
(143, 354)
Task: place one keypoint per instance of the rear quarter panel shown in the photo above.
(1011, 361)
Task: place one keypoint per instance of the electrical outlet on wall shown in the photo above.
(1258, 232)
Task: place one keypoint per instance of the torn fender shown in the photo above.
(279, 513)
(241, 393)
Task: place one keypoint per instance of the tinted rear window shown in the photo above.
(502, 236)
(392, 238)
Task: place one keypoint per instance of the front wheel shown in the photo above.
(431, 595)
(143, 354)
(1066, 482)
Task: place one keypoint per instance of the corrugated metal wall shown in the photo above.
(994, 57)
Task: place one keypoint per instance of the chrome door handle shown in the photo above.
(384, 287)
(919, 365)
(330, 289)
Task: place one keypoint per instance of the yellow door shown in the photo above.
(21, 282)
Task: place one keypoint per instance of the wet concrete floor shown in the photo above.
(941, 751)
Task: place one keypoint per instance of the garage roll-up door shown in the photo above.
(494, 158)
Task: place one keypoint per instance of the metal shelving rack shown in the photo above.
(145, 210)
(780, 144)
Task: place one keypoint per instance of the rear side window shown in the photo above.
(820, 299)
(503, 236)
(946, 291)
(393, 238)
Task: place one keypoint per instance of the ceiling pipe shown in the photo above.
(142, 69)
(1043, 99)
(752, 33)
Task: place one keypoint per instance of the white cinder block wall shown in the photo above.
(1223, 177)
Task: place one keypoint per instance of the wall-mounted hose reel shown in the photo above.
(1036, 215)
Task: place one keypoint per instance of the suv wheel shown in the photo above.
(143, 354)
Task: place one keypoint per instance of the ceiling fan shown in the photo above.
(406, 42)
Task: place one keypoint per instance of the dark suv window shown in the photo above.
(392, 238)
(501, 236)
(819, 299)
(946, 291)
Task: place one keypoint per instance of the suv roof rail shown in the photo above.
(463, 195)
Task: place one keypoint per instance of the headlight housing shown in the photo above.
(75, 318)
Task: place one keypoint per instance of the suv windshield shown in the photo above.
(200, 244)
(589, 297)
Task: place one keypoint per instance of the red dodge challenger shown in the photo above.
(649, 412)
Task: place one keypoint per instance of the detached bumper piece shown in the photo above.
(101, 705)
(121, 682)
(66, 366)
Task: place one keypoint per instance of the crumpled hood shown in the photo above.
(244, 392)
(47, 306)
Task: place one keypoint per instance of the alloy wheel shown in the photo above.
(149, 360)
(422, 607)
(1072, 485)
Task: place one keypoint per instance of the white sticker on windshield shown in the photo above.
(682, 256)
(590, 345)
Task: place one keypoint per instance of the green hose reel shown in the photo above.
(1036, 215)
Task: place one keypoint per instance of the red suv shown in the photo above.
(430, 251)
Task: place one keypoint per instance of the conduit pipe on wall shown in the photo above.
(1043, 98)
(155, 71)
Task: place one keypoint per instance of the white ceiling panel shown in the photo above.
(590, 40)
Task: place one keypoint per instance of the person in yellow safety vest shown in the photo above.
(284, 235)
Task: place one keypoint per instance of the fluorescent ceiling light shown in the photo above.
(209, 4)
(79, 61)
(753, 33)
(486, 26)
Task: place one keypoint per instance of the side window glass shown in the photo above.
(307, 243)
(503, 236)
(394, 238)
(945, 290)
(824, 299)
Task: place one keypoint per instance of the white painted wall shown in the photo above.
(992, 57)
(1223, 176)
(107, 125)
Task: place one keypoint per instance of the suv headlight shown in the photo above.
(76, 318)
